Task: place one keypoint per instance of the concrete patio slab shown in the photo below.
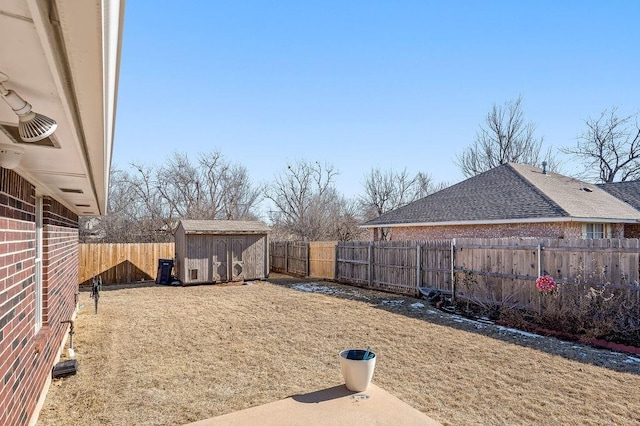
(332, 406)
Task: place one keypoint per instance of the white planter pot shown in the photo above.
(357, 373)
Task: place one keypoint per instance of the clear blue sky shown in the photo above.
(364, 84)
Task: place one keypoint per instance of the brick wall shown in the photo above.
(631, 231)
(26, 358)
(551, 230)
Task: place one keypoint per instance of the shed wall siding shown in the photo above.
(180, 253)
(220, 257)
(26, 358)
(254, 257)
(198, 257)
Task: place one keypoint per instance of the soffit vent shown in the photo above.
(71, 190)
(83, 205)
(14, 136)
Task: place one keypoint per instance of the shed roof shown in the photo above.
(219, 227)
(512, 192)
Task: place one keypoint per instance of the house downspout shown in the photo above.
(71, 351)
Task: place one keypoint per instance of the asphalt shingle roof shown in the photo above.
(511, 192)
(224, 227)
(629, 192)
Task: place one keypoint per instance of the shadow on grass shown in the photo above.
(401, 304)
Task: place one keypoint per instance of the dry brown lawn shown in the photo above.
(173, 355)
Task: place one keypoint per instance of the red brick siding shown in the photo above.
(523, 230)
(631, 231)
(17, 197)
(26, 359)
(536, 230)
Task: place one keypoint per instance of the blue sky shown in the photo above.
(363, 84)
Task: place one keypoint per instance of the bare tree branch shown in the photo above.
(504, 138)
(386, 190)
(609, 148)
(308, 206)
(145, 205)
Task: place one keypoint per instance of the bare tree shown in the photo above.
(345, 220)
(307, 204)
(212, 188)
(240, 196)
(609, 149)
(426, 185)
(132, 214)
(146, 203)
(505, 137)
(386, 190)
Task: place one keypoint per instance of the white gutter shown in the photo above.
(53, 52)
(504, 221)
(112, 28)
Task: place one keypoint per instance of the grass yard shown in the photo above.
(172, 355)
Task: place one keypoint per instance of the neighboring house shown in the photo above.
(629, 192)
(512, 200)
(61, 57)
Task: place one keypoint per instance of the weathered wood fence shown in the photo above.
(399, 266)
(501, 271)
(504, 271)
(121, 263)
(289, 257)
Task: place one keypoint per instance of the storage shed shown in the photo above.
(215, 251)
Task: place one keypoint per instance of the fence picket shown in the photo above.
(121, 263)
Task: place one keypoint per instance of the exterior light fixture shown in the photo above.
(32, 126)
(10, 155)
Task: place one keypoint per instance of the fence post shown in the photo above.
(453, 270)
(539, 259)
(307, 246)
(418, 266)
(286, 257)
(539, 274)
(370, 269)
(335, 264)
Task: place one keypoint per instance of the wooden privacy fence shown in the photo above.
(322, 259)
(121, 262)
(494, 271)
(503, 271)
(399, 266)
(289, 257)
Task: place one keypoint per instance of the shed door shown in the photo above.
(237, 263)
(220, 263)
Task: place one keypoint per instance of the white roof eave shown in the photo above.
(505, 221)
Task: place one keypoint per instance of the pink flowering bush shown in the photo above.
(546, 284)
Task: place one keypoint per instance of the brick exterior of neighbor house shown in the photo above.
(629, 192)
(27, 356)
(507, 230)
(632, 231)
